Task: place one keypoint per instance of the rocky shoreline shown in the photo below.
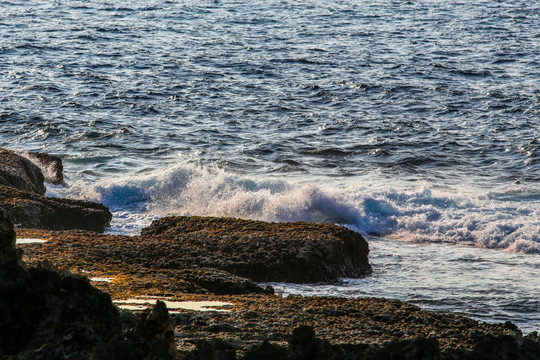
(22, 196)
(62, 299)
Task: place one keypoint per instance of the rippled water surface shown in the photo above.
(486, 285)
(433, 90)
(410, 120)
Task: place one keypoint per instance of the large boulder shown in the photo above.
(49, 314)
(30, 210)
(44, 307)
(20, 173)
(218, 255)
(262, 251)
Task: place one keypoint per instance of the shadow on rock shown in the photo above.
(50, 314)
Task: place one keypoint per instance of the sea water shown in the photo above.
(415, 123)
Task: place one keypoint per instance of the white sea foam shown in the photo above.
(507, 220)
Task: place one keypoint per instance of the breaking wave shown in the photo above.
(508, 220)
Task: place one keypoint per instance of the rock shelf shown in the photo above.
(58, 299)
(261, 325)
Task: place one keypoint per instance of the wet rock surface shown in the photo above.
(21, 196)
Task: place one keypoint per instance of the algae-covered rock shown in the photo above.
(221, 255)
(136, 269)
(262, 251)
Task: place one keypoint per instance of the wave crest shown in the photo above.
(417, 215)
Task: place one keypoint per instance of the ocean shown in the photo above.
(415, 123)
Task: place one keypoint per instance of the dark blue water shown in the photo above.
(415, 121)
(430, 90)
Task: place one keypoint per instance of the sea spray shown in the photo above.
(418, 214)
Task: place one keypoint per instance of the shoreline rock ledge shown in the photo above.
(282, 252)
(22, 197)
(162, 263)
(207, 255)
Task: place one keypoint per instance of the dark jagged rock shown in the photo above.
(304, 344)
(153, 334)
(21, 196)
(213, 350)
(290, 252)
(31, 210)
(55, 315)
(8, 252)
(41, 306)
(49, 314)
(266, 350)
(20, 173)
(50, 165)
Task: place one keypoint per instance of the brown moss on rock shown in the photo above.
(218, 254)
(262, 251)
(138, 265)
